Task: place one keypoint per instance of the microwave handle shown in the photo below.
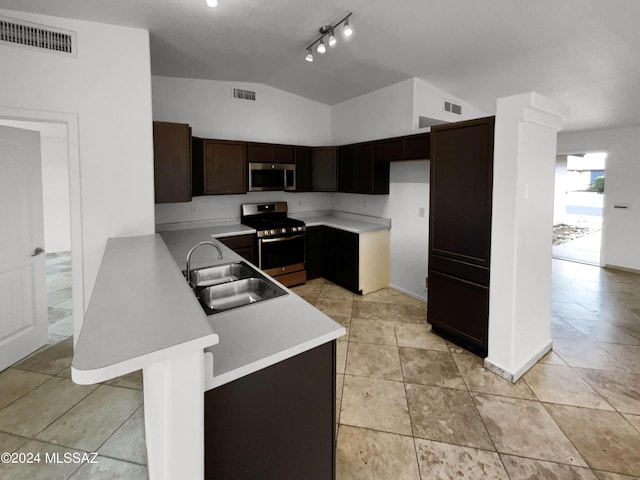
(280, 239)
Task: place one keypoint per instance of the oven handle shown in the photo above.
(280, 239)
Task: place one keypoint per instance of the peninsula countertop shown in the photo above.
(254, 336)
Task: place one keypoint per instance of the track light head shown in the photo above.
(322, 48)
(332, 39)
(309, 57)
(347, 30)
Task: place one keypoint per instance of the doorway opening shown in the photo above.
(578, 207)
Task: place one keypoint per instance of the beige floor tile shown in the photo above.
(525, 428)
(310, 299)
(368, 455)
(446, 415)
(403, 299)
(310, 289)
(552, 358)
(335, 291)
(11, 443)
(628, 355)
(16, 383)
(614, 476)
(128, 442)
(430, 367)
(453, 348)
(92, 421)
(585, 354)
(561, 384)
(416, 335)
(408, 313)
(109, 469)
(376, 404)
(335, 306)
(51, 360)
(346, 323)
(36, 410)
(605, 439)
(633, 420)
(381, 296)
(444, 461)
(528, 469)
(378, 332)
(374, 361)
(562, 329)
(481, 380)
(339, 386)
(42, 470)
(131, 380)
(341, 355)
(620, 389)
(371, 311)
(604, 332)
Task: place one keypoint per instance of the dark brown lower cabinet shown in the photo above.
(341, 258)
(278, 422)
(243, 245)
(314, 254)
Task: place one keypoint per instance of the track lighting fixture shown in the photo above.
(328, 31)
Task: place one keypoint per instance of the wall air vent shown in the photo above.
(244, 94)
(31, 35)
(452, 107)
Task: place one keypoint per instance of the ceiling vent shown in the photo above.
(41, 37)
(244, 94)
(452, 107)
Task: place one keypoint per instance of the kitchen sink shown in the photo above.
(229, 272)
(231, 285)
(238, 293)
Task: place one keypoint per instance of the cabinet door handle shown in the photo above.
(37, 251)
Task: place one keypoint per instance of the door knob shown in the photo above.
(37, 251)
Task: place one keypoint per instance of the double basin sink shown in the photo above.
(231, 285)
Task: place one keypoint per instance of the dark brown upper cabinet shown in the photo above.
(417, 147)
(360, 172)
(172, 162)
(346, 169)
(410, 147)
(324, 169)
(224, 167)
(270, 153)
(304, 169)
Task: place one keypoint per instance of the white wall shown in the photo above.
(108, 88)
(275, 117)
(621, 227)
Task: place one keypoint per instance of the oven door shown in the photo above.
(281, 255)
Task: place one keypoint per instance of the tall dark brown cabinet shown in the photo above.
(460, 231)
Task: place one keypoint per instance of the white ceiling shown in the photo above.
(583, 53)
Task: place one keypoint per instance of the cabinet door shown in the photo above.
(283, 154)
(342, 257)
(417, 147)
(324, 169)
(390, 149)
(364, 168)
(225, 167)
(304, 169)
(260, 152)
(172, 162)
(243, 245)
(315, 253)
(346, 169)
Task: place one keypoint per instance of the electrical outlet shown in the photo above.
(364, 203)
(426, 282)
(194, 208)
(299, 202)
(421, 212)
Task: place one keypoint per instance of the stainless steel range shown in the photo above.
(281, 241)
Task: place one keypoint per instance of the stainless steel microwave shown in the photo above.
(271, 176)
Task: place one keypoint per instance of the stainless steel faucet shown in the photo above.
(191, 252)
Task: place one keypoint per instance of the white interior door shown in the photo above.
(23, 306)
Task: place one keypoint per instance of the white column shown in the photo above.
(174, 418)
(521, 233)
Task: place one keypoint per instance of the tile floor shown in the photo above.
(410, 405)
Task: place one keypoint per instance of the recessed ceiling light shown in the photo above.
(212, 3)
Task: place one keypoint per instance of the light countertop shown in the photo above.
(141, 312)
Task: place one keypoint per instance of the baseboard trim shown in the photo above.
(622, 269)
(513, 377)
(407, 292)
